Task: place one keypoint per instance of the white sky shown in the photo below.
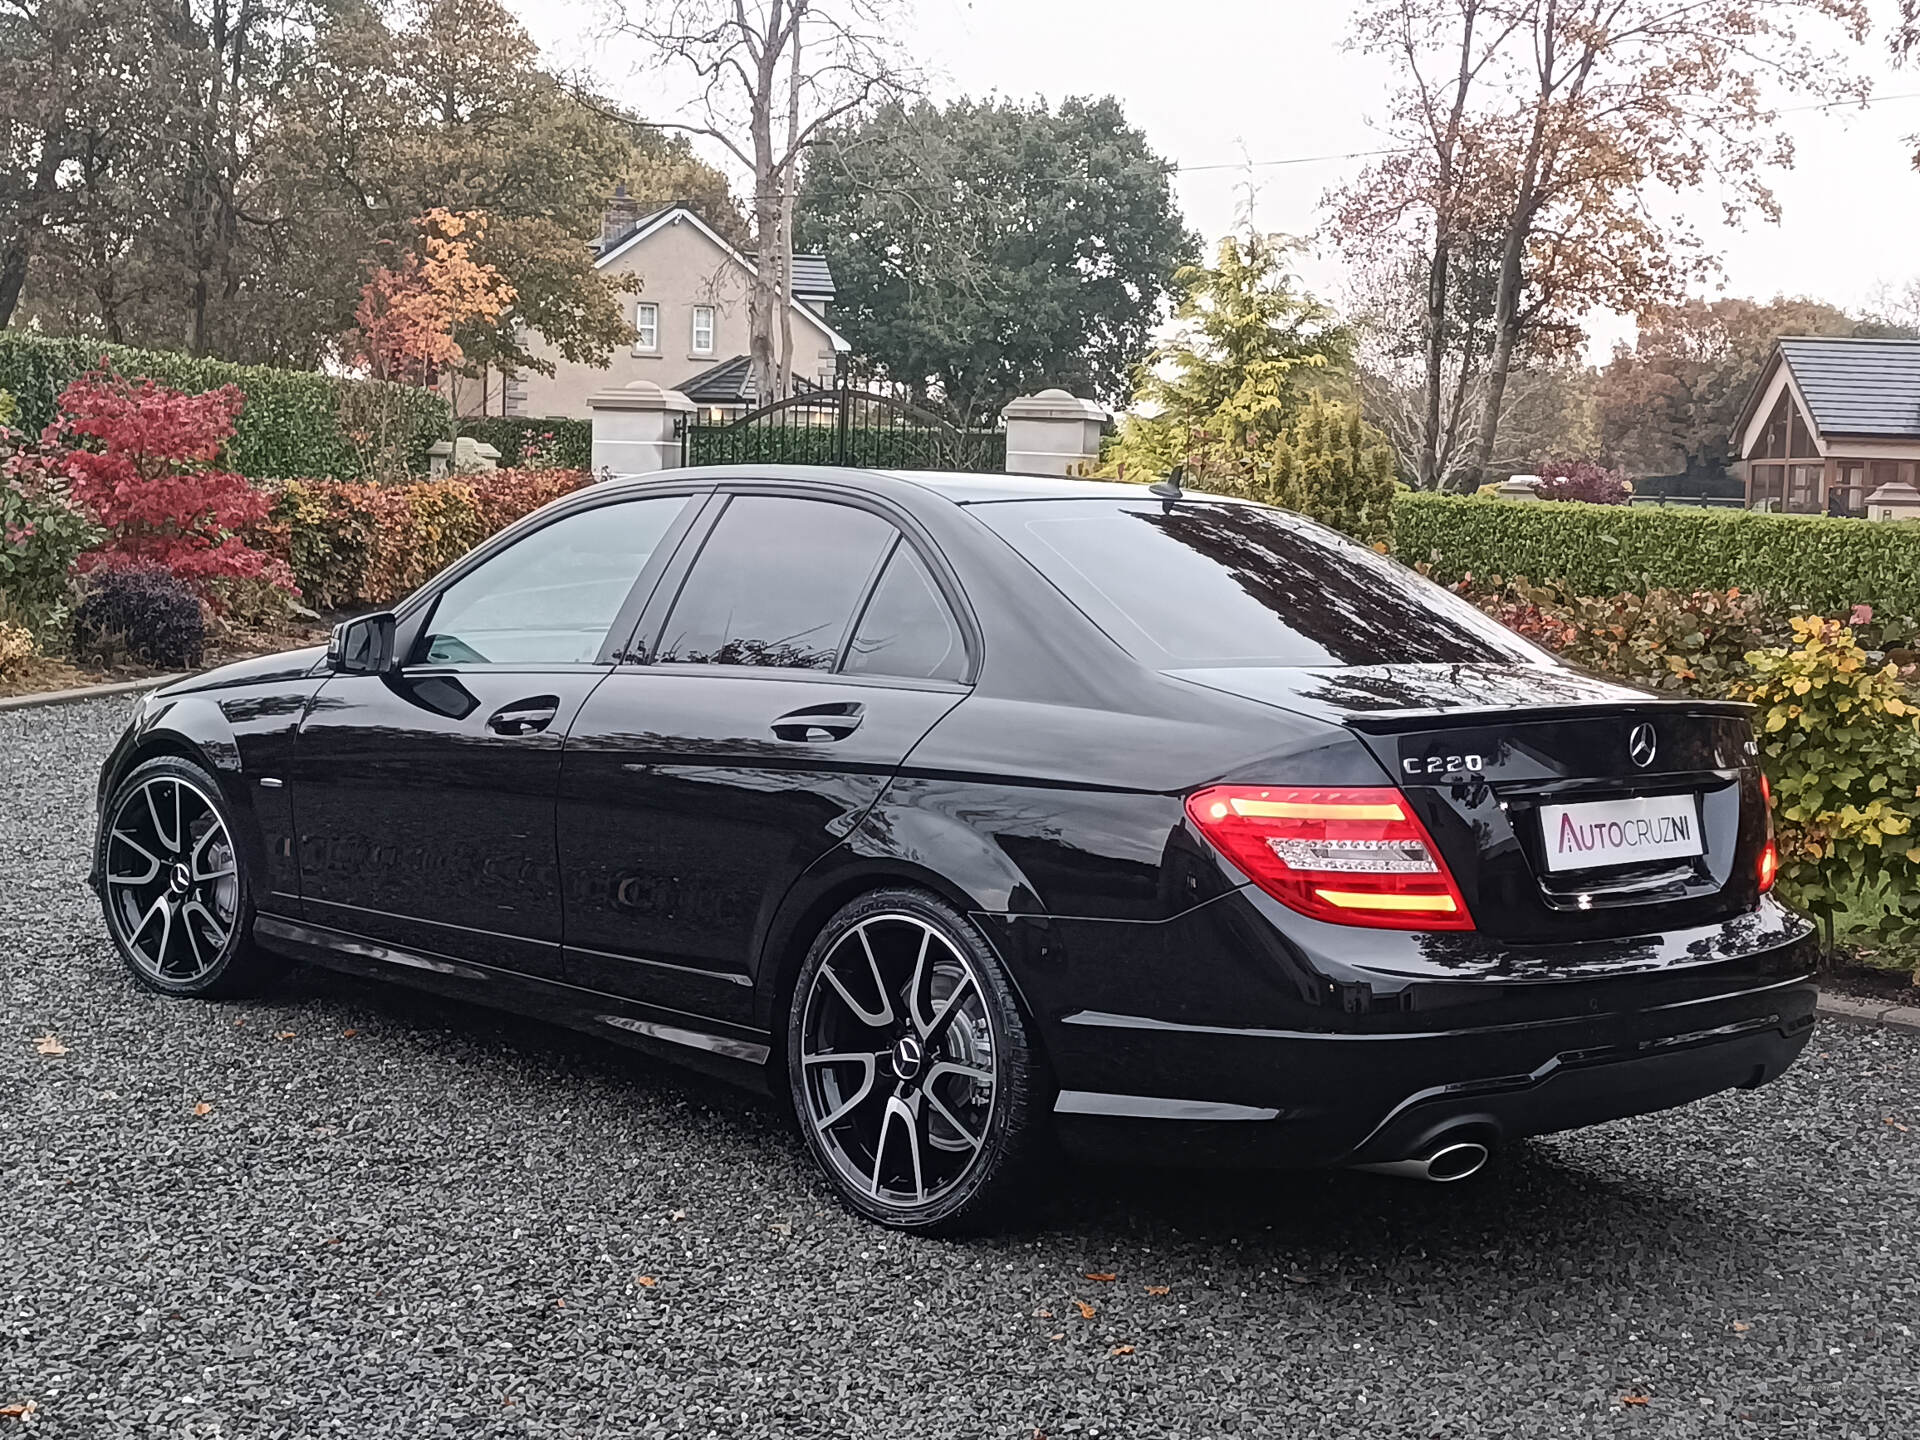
(1216, 83)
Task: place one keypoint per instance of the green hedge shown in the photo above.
(565, 444)
(292, 424)
(881, 447)
(1806, 562)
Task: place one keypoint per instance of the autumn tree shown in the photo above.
(1248, 349)
(1553, 128)
(409, 316)
(195, 173)
(773, 76)
(985, 249)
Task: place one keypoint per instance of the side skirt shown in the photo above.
(730, 1052)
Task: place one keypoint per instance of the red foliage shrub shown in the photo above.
(1565, 479)
(352, 544)
(139, 457)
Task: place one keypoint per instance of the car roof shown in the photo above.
(958, 486)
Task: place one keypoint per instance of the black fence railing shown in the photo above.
(843, 425)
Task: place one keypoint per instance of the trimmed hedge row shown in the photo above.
(1802, 562)
(562, 444)
(296, 422)
(880, 447)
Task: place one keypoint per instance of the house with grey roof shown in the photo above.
(687, 322)
(1828, 423)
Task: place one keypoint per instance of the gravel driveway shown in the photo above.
(406, 1218)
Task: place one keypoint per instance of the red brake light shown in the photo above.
(1352, 855)
(1769, 855)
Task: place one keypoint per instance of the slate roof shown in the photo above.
(812, 279)
(728, 383)
(1857, 387)
(613, 243)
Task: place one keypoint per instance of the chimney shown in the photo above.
(623, 211)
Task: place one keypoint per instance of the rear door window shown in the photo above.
(775, 585)
(907, 629)
(1198, 583)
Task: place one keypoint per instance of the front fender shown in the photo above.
(240, 736)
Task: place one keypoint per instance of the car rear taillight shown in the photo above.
(1352, 855)
(1769, 855)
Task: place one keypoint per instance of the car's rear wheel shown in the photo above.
(912, 1074)
(173, 883)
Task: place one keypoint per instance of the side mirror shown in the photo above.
(363, 645)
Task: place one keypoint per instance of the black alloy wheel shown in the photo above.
(172, 883)
(911, 1074)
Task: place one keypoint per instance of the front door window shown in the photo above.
(549, 597)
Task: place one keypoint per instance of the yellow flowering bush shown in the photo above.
(1841, 740)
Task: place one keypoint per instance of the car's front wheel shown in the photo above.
(912, 1074)
(173, 883)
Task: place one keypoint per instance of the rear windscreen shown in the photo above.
(1200, 582)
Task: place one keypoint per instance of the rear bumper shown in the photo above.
(1359, 1099)
(1326, 1064)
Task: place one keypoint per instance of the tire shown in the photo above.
(912, 1075)
(174, 885)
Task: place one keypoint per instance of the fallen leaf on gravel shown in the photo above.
(1890, 1120)
(1741, 1327)
(1121, 1350)
(1043, 1314)
(1105, 1277)
(1295, 1278)
(561, 1304)
(1634, 1399)
(18, 1412)
(1039, 1434)
(1086, 1310)
(49, 1045)
(285, 1035)
(203, 1108)
(1159, 1289)
(1061, 1336)
(646, 1280)
(348, 1034)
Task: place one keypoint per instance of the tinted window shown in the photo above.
(549, 597)
(907, 629)
(775, 584)
(1202, 583)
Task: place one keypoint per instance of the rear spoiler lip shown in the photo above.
(1389, 722)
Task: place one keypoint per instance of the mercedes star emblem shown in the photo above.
(1642, 743)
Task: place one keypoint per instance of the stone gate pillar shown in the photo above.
(1053, 433)
(633, 428)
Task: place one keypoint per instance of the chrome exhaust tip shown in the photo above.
(1445, 1165)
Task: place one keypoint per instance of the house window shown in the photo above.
(703, 329)
(1803, 489)
(1849, 493)
(646, 326)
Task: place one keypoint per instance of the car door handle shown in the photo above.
(525, 717)
(816, 723)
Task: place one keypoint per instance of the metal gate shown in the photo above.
(843, 425)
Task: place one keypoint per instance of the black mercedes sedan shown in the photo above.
(977, 817)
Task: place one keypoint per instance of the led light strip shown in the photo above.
(1312, 810)
(1351, 900)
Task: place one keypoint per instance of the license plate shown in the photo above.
(1620, 832)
